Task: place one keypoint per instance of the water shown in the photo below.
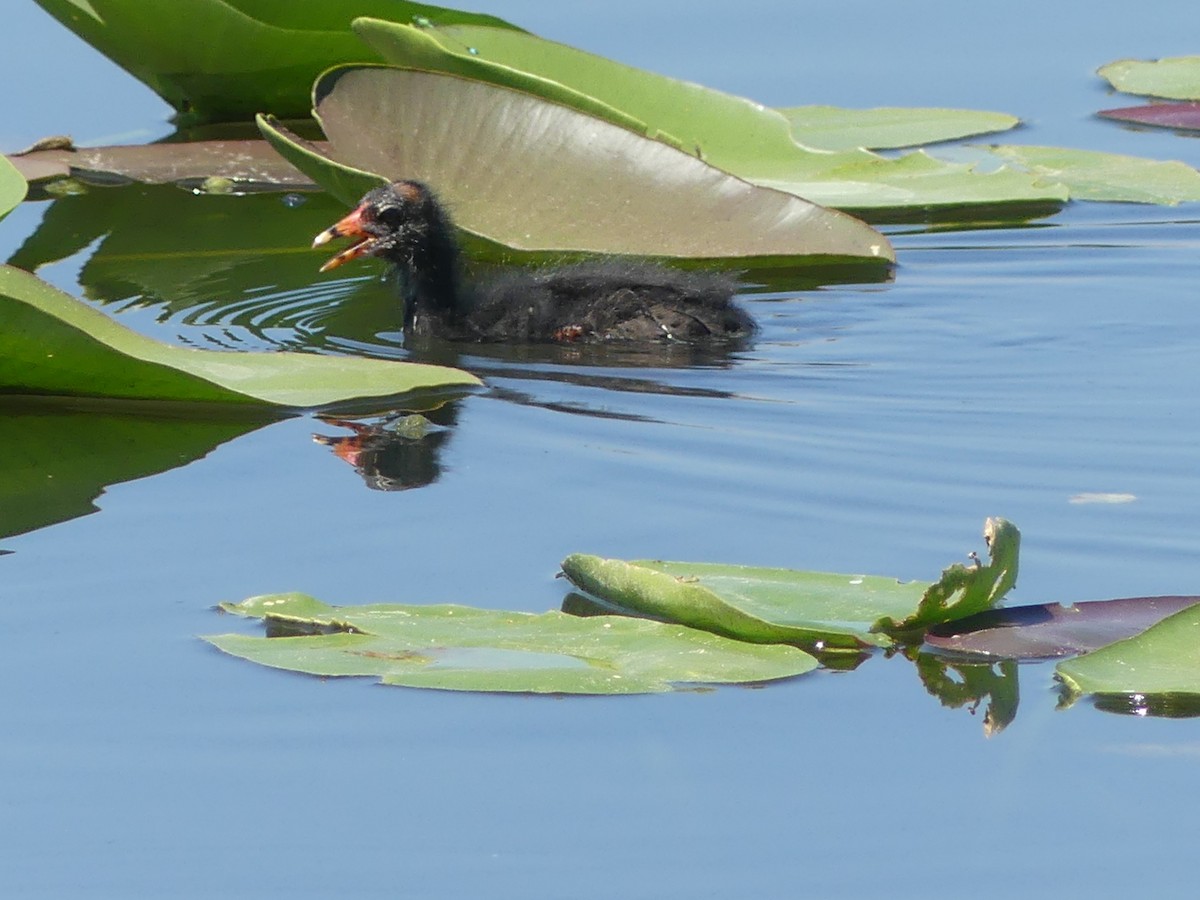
(869, 428)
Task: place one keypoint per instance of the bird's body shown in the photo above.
(614, 299)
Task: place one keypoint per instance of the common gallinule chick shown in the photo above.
(614, 299)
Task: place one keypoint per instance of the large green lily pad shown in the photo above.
(732, 133)
(460, 648)
(54, 344)
(538, 176)
(225, 60)
(1162, 660)
(1175, 78)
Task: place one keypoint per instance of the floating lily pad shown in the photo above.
(818, 610)
(54, 344)
(1053, 630)
(1091, 175)
(538, 176)
(837, 128)
(1180, 116)
(216, 60)
(1175, 78)
(1162, 660)
(460, 648)
(253, 162)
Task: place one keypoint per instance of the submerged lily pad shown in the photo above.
(884, 128)
(54, 344)
(460, 648)
(225, 60)
(1180, 116)
(1175, 78)
(538, 176)
(1162, 660)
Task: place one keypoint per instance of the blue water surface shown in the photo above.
(869, 428)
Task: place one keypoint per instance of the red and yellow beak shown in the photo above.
(350, 226)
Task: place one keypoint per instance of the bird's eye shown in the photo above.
(392, 216)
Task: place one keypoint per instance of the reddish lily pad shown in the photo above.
(1182, 116)
(1053, 630)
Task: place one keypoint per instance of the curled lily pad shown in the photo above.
(466, 649)
(53, 344)
(538, 176)
(733, 133)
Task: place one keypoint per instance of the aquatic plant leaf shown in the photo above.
(966, 590)
(733, 133)
(1162, 660)
(1180, 116)
(884, 128)
(467, 649)
(1052, 630)
(59, 456)
(539, 176)
(225, 60)
(252, 162)
(54, 344)
(1175, 78)
(818, 610)
(12, 187)
(1091, 175)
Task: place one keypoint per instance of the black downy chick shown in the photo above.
(612, 299)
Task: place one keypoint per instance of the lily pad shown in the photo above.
(818, 610)
(967, 590)
(837, 128)
(54, 344)
(251, 162)
(1175, 78)
(59, 456)
(733, 133)
(1091, 175)
(1052, 630)
(1180, 116)
(466, 649)
(538, 176)
(12, 187)
(1162, 660)
(216, 60)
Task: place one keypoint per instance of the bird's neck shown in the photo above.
(432, 286)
